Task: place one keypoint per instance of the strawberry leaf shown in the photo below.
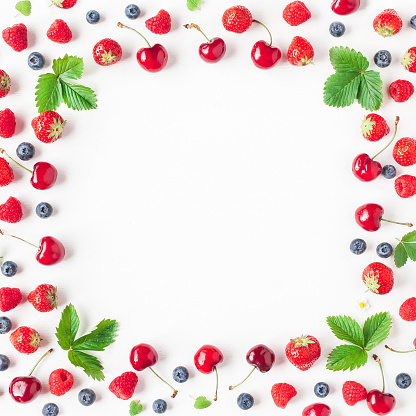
(193, 5)
(370, 94)
(100, 338)
(341, 89)
(48, 92)
(346, 329)
(346, 357)
(68, 327)
(78, 97)
(68, 67)
(202, 402)
(405, 249)
(135, 408)
(347, 60)
(24, 7)
(376, 329)
(90, 364)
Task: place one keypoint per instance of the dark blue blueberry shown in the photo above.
(36, 61)
(382, 59)
(5, 325)
(44, 210)
(86, 397)
(321, 390)
(25, 151)
(50, 409)
(4, 362)
(358, 246)
(159, 406)
(384, 250)
(245, 401)
(132, 11)
(403, 380)
(180, 374)
(337, 29)
(388, 171)
(93, 17)
(9, 268)
(413, 22)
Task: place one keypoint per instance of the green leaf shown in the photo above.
(341, 89)
(48, 92)
(376, 329)
(78, 97)
(193, 4)
(370, 92)
(346, 329)
(405, 249)
(400, 255)
(202, 402)
(70, 67)
(24, 7)
(68, 327)
(100, 338)
(347, 60)
(135, 407)
(346, 357)
(90, 364)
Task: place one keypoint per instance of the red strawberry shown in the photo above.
(409, 59)
(11, 211)
(296, 13)
(378, 278)
(107, 52)
(60, 382)
(302, 352)
(16, 37)
(6, 172)
(9, 298)
(237, 19)
(374, 127)
(64, 4)
(7, 123)
(123, 386)
(48, 126)
(404, 151)
(300, 52)
(59, 32)
(282, 393)
(159, 24)
(405, 186)
(401, 90)
(44, 298)
(353, 392)
(408, 310)
(4, 83)
(387, 23)
(26, 340)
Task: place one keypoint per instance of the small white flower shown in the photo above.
(362, 304)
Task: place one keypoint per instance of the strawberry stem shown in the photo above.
(18, 238)
(175, 392)
(381, 369)
(251, 372)
(194, 26)
(391, 141)
(40, 359)
(17, 163)
(400, 352)
(268, 31)
(134, 30)
(407, 224)
(216, 384)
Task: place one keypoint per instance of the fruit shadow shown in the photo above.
(31, 39)
(19, 125)
(14, 86)
(230, 51)
(26, 209)
(60, 179)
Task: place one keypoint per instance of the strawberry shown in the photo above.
(107, 52)
(378, 278)
(26, 340)
(282, 393)
(300, 52)
(64, 4)
(401, 90)
(405, 186)
(4, 83)
(11, 211)
(16, 37)
(237, 19)
(123, 386)
(302, 352)
(408, 310)
(60, 382)
(59, 32)
(296, 13)
(374, 127)
(387, 23)
(48, 126)
(404, 151)
(7, 123)
(353, 392)
(409, 59)
(6, 172)
(9, 298)
(44, 298)
(159, 24)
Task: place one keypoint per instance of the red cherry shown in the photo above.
(265, 56)
(152, 59)
(365, 169)
(143, 356)
(368, 216)
(51, 251)
(44, 175)
(380, 403)
(206, 358)
(261, 357)
(212, 51)
(316, 409)
(345, 6)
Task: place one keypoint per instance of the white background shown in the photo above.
(206, 204)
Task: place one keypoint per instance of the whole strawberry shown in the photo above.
(374, 127)
(378, 278)
(409, 59)
(59, 32)
(401, 90)
(26, 340)
(16, 37)
(282, 393)
(123, 386)
(6, 172)
(4, 83)
(300, 52)
(159, 24)
(302, 352)
(9, 298)
(107, 52)
(7, 123)
(60, 382)
(44, 298)
(64, 4)
(404, 151)
(237, 19)
(387, 23)
(405, 186)
(11, 211)
(408, 310)
(353, 392)
(48, 126)
(296, 13)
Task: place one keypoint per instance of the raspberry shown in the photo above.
(7, 123)
(159, 24)
(405, 186)
(60, 382)
(9, 298)
(124, 385)
(404, 151)
(237, 19)
(59, 32)
(282, 393)
(11, 211)
(353, 392)
(401, 90)
(408, 310)
(6, 172)
(16, 37)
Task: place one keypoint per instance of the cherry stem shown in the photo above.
(251, 372)
(175, 392)
(15, 161)
(216, 384)
(381, 369)
(391, 141)
(40, 359)
(268, 31)
(194, 26)
(400, 352)
(18, 238)
(407, 224)
(134, 30)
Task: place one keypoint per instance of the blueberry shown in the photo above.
(245, 401)
(132, 11)
(9, 268)
(159, 406)
(403, 380)
(50, 409)
(384, 250)
(4, 362)
(337, 29)
(321, 390)
(93, 17)
(413, 22)
(44, 210)
(25, 151)
(86, 397)
(382, 59)
(180, 374)
(5, 325)
(358, 246)
(388, 171)
(36, 61)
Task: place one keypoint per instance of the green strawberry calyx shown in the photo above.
(302, 342)
(371, 281)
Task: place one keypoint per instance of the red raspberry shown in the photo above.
(401, 90)
(159, 24)
(64, 4)
(4, 83)
(405, 186)
(282, 393)
(374, 127)
(6, 172)
(26, 340)
(7, 123)
(408, 310)
(16, 37)
(123, 386)
(59, 32)
(353, 392)
(9, 298)
(11, 211)
(60, 382)
(296, 13)
(237, 19)
(404, 151)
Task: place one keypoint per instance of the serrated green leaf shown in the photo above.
(78, 97)
(370, 92)
(400, 255)
(344, 59)
(376, 329)
(341, 89)
(346, 329)
(68, 327)
(48, 92)
(202, 402)
(70, 67)
(24, 7)
(90, 364)
(193, 4)
(135, 408)
(100, 338)
(346, 357)
(409, 237)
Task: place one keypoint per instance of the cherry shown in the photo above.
(345, 6)
(143, 356)
(152, 59)
(263, 54)
(26, 389)
(316, 409)
(213, 50)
